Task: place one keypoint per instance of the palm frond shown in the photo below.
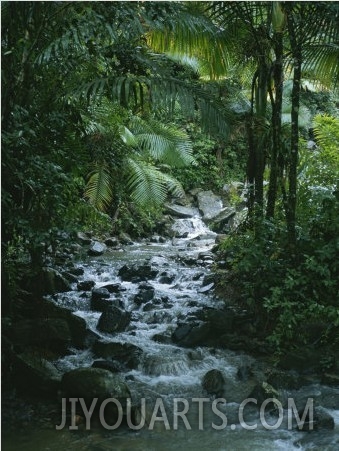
(163, 142)
(149, 186)
(98, 189)
(193, 34)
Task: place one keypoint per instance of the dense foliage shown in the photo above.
(108, 107)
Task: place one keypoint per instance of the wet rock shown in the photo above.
(114, 287)
(142, 272)
(145, 293)
(34, 374)
(77, 325)
(103, 304)
(125, 239)
(54, 333)
(112, 242)
(191, 335)
(244, 373)
(263, 391)
(221, 221)
(114, 320)
(166, 278)
(125, 353)
(331, 379)
(90, 383)
(162, 338)
(69, 277)
(285, 379)
(181, 212)
(100, 293)
(206, 288)
(209, 204)
(76, 271)
(110, 365)
(54, 282)
(214, 382)
(97, 249)
(322, 420)
(83, 238)
(85, 285)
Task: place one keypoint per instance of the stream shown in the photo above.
(167, 371)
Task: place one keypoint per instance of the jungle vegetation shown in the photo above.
(109, 107)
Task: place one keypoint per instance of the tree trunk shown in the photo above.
(276, 125)
(293, 160)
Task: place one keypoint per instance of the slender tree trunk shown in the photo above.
(276, 124)
(293, 162)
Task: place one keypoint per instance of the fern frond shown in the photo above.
(98, 190)
(163, 142)
(149, 186)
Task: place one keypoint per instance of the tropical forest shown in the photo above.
(170, 225)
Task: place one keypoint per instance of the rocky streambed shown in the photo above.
(141, 323)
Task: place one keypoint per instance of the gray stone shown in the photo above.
(214, 382)
(206, 288)
(97, 249)
(85, 285)
(83, 239)
(210, 205)
(221, 221)
(181, 212)
(125, 353)
(112, 242)
(113, 320)
(100, 293)
(90, 383)
(54, 282)
(110, 365)
(142, 272)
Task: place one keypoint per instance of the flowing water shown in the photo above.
(167, 372)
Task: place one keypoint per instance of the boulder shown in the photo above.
(166, 277)
(90, 383)
(209, 204)
(181, 212)
(110, 365)
(206, 288)
(114, 287)
(83, 238)
(263, 391)
(125, 238)
(100, 293)
(145, 293)
(114, 320)
(77, 325)
(221, 221)
(142, 272)
(214, 383)
(76, 271)
(34, 374)
(85, 285)
(125, 353)
(53, 333)
(102, 304)
(97, 249)
(322, 420)
(190, 335)
(112, 242)
(54, 282)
